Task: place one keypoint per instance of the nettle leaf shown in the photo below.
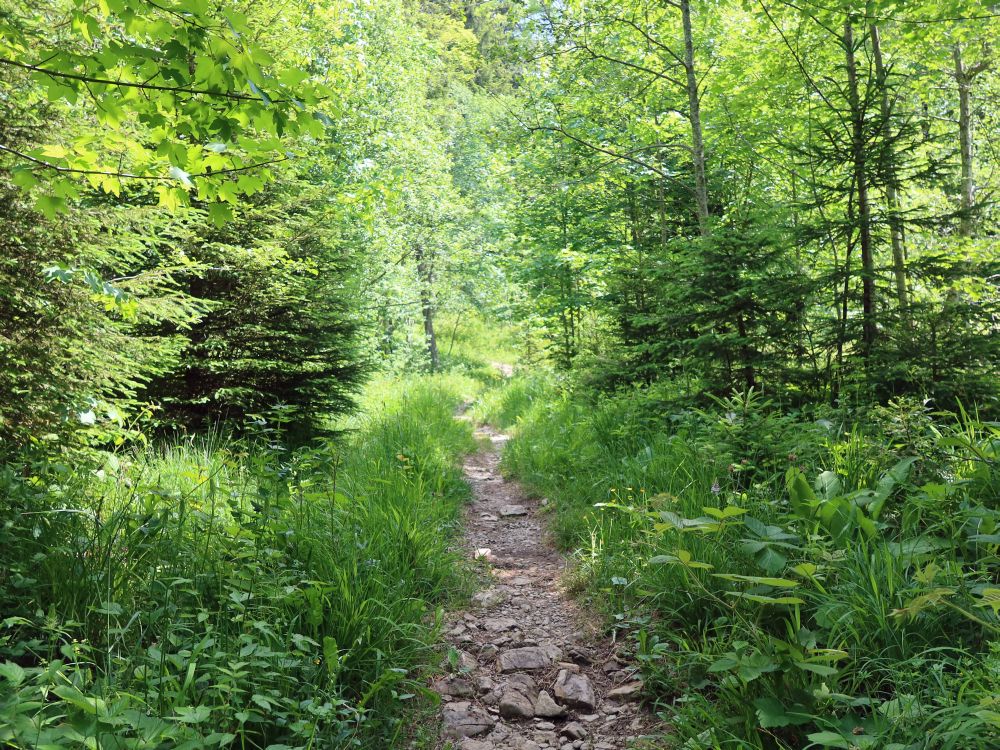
(193, 714)
(771, 560)
(12, 672)
(928, 600)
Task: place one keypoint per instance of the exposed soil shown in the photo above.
(528, 668)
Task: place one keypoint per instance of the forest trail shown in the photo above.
(528, 668)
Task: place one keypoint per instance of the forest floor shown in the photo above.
(528, 668)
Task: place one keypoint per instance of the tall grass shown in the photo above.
(212, 593)
(758, 623)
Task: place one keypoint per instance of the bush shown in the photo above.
(790, 580)
(218, 592)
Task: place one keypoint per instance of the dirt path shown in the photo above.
(528, 671)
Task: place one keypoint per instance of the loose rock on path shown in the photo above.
(527, 670)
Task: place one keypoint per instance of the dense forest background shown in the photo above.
(252, 257)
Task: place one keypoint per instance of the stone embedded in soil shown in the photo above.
(629, 690)
(471, 744)
(516, 705)
(455, 686)
(513, 510)
(522, 682)
(547, 707)
(575, 690)
(518, 701)
(527, 658)
(465, 720)
(500, 624)
(489, 598)
(574, 730)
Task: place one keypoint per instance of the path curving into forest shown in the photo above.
(528, 668)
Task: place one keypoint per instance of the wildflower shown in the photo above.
(716, 489)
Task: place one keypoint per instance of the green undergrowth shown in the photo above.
(235, 594)
(789, 579)
(468, 345)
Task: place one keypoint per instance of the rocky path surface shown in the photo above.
(527, 670)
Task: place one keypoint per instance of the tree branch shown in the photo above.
(130, 176)
(136, 84)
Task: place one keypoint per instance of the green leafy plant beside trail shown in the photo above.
(790, 581)
(233, 594)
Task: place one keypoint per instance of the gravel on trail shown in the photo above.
(529, 669)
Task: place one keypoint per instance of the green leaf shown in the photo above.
(990, 598)
(256, 89)
(50, 206)
(761, 599)
(24, 178)
(331, 655)
(730, 511)
(193, 714)
(800, 494)
(90, 704)
(828, 485)
(183, 177)
(829, 739)
(759, 580)
(682, 557)
(12, 672)
(824, 670)
(771, 713)
(771, 560)
(220, 213)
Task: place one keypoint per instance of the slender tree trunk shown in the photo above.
(694, 106)
(964, 75)
(425, 273)
(861, 186)
(749, 373)
(891, 180)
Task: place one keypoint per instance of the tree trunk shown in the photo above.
(860, 165)
(891, 180)
(694, 106)
(425, 275)
(963, 77)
